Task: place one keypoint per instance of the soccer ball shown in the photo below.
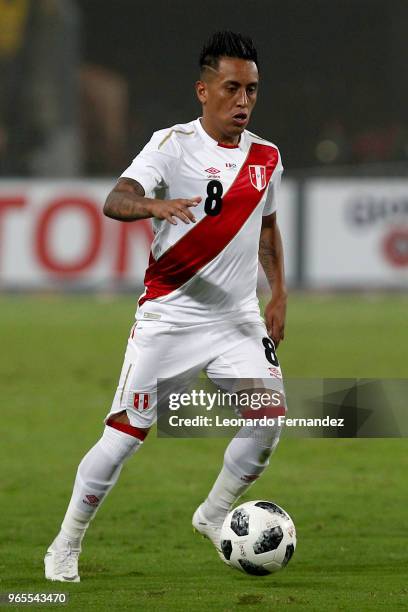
(258, 538)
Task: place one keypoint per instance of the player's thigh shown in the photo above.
(155, 352)
(246, 352)
(249, 368)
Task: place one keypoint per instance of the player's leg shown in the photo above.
(126, 426)
(96, 475)
(155, 350)
(250, 356)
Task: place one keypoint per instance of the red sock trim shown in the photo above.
(128, 429)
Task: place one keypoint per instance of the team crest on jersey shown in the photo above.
(257, 174)
(141, 401)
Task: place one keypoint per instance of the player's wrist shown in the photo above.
(279, 292)
(151, 205)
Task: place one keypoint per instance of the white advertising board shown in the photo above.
(356, 233)
(287, 220)
(53, 235)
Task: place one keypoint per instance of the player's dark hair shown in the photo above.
(227, 44)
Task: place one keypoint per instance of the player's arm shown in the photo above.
(127, 202)
(271, 258)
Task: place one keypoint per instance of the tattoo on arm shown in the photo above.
(271, 253)
(268, 255)
(128, 184)
(126, 201)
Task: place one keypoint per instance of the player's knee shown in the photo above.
(119, 417)
(267, 438)
(120, 422)
(121, 443)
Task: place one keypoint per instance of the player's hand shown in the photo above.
(172, 209)
(275, 315)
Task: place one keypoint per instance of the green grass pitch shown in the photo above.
(60, 359)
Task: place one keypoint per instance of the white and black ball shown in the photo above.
(258, 537)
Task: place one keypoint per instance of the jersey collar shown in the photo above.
(213, 142)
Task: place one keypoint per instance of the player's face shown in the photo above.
(228, 96)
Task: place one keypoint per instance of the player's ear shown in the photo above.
(201, 91)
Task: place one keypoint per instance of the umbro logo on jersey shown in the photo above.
(212, 170)
(257, 175)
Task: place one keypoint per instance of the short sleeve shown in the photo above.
(156, 162)
(271, 202)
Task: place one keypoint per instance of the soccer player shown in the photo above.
(199, 310)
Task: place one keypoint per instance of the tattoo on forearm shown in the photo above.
(271, 257)
(268, 256)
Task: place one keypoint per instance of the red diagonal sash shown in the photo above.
(211, 235)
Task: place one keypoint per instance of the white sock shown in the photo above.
(245, 458)
(97, 473)
(226, 490)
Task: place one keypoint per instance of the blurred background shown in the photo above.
(84, 83)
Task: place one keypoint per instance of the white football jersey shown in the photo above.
(206, 270)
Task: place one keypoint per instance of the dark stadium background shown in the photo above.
(83, 84)
(320, 62)
(327, 67)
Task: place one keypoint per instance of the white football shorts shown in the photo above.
(158, 350)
